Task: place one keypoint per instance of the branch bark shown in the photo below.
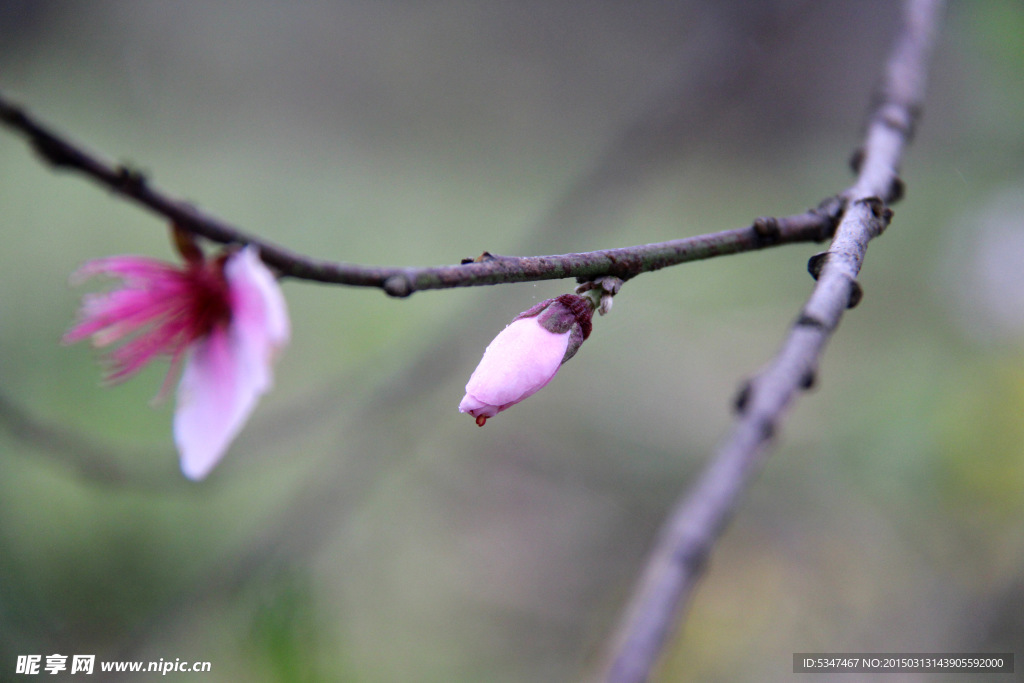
(695, 523)
(817, 224)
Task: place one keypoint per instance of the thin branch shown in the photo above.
(92, 461)
(678, 559)
(813, 225)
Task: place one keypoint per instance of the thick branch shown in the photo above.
(814, 225)
(695, 523)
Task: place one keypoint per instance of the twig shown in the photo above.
(814, 225)
(698, 519)
(92, 461)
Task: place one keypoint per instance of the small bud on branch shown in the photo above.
(526, 355)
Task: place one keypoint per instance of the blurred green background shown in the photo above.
(360, 528)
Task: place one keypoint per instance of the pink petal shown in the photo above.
(519, 362)
(132, 269)
(215, 396)
(257, 306)
(230, 369)
(476, 407)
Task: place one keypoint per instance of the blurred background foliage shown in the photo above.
(361, 529)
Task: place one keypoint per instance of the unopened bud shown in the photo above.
(526, 355)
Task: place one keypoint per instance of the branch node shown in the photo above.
(742, 399)
(816, 263)
(55, 152)
(875, 204)
(485, 256)
(693, 556)
(131, 180)
(766, 227)
(767, 426)
(899, 117)
(857, 160)
(896, 190)
(609, 286)
(806, 320)
(13, 115)
(880, 213)
(398, 286)
(856, 294)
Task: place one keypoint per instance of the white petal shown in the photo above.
(228, 371)
(216, 394)
(257, 305)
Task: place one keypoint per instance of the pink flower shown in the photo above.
(526, 355)
(223, 318)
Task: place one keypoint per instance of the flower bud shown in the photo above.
(526, 355)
